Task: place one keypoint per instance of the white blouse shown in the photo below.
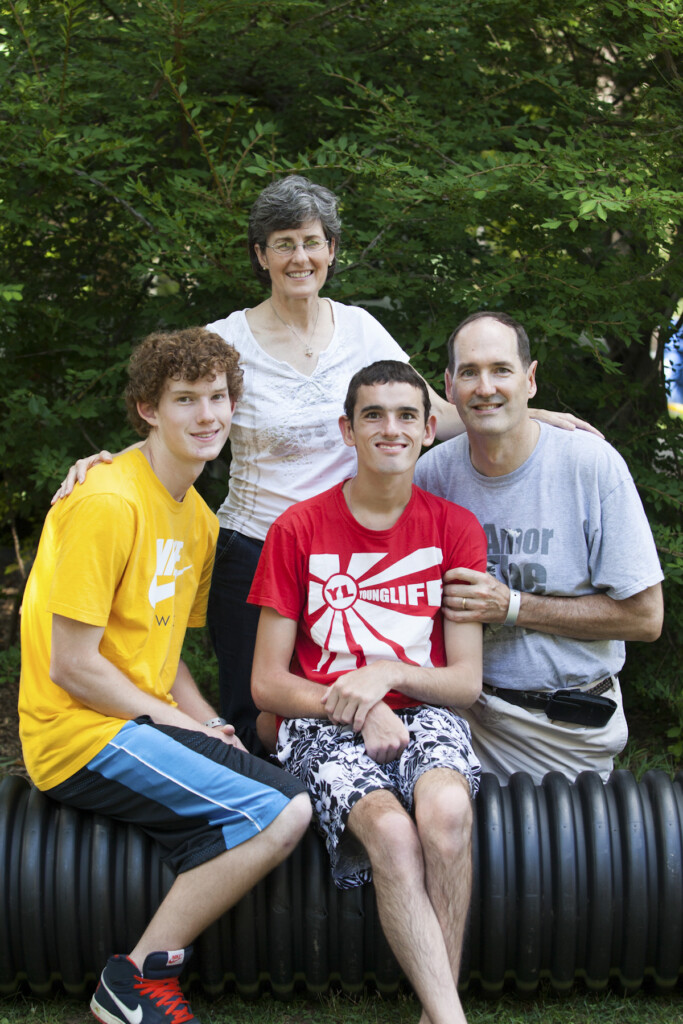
(285, 438)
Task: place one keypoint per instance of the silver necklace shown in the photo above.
(308, 351)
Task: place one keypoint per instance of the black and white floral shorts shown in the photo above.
(332, 763)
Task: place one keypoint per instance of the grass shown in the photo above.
(638, 759)
(578, 1008)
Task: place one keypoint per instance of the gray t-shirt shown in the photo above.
(567, 522)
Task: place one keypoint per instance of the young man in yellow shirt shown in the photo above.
(110, 717)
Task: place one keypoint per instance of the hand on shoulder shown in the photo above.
(77, 474)
(564, 420)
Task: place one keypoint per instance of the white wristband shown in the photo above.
(513, 608)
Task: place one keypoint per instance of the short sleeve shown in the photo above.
(280, 574)
(623, 558)
(91, 557)
(469, 545)
(197, 615)
(379, 343)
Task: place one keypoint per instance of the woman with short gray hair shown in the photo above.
(298, 352)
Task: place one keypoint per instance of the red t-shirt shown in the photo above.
(360, 595)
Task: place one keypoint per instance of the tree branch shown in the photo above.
(122, 202)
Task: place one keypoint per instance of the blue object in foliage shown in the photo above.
(673, 373)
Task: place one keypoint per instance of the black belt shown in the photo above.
(580, 707)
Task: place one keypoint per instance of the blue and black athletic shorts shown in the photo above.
(195, 795)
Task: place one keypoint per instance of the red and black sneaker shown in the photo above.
(127, 996)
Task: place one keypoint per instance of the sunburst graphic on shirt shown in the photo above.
(373, 610)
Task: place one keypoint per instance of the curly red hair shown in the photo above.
(190, 354)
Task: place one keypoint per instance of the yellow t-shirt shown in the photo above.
(123, 554)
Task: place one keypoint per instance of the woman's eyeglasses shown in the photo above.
(286, 248)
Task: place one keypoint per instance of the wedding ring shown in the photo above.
(464, 604)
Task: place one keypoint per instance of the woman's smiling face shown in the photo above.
(301, 274)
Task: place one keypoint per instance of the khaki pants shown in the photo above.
(509, 739)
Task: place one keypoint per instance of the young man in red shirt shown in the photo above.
(354, 656)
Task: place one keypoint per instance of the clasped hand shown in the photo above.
(475, 597)
(348, 700)
(227, 734)
(384, 734)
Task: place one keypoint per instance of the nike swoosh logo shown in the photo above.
(132, 1016)
(160, 591)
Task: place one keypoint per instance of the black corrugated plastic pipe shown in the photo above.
(571, 881)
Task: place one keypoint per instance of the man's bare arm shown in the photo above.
(79, 668)
(480, 597)
(187, 695)
(273, 687)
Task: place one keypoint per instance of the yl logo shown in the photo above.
(340, 591)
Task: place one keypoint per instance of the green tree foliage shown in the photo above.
(525, 157)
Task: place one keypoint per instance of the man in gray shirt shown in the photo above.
(572, 566)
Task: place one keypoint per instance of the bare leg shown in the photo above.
(198, 897)
(408, 918)
(443, 814)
